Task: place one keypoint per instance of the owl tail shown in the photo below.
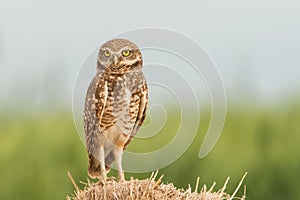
(94, 168)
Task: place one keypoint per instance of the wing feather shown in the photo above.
(143, 103)
(93, 109)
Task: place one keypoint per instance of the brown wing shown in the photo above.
(143, 102)
(93, 109)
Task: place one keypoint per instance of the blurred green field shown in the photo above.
(37, 150)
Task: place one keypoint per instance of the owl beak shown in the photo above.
(115, 59)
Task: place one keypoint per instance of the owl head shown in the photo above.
(119, 56)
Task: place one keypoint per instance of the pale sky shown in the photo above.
(255, 44)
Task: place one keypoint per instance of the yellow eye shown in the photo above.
(126, 53)
(106, 53)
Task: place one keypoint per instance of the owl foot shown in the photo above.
(111, 178)
(103, 177)
(121, 176)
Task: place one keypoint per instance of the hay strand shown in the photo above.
(197, 184)
(238, 187)
(73, 182)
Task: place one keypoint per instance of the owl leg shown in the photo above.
(102, 163)
(118, 152)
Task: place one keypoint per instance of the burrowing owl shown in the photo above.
(115, 105)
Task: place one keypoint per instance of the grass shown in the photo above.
(37, 150)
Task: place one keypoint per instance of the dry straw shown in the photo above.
(149, 189)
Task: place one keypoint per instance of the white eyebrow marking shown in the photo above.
(105, 49)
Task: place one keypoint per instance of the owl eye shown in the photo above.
(126, 53)
(106, 53)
